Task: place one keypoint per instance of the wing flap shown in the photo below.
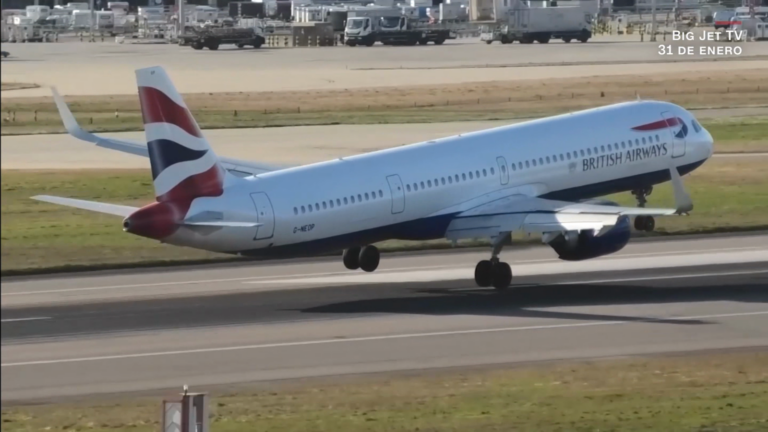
(112, 209)
(241, 168)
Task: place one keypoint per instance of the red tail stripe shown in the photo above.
(161, 219)
(157, 107)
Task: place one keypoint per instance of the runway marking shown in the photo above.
(25, 319)
(375, 338)
(257, 279)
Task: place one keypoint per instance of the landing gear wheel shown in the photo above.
(502, 275)
(484, 273)
(645, 223)
(351, 258)
(369, 258)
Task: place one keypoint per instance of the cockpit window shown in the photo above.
(696, 126)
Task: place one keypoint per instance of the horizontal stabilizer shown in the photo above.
(112, 209)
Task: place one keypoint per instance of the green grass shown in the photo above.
(723, 393)
(729, 194)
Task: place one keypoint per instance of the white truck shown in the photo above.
(528, 24)
(392, 29)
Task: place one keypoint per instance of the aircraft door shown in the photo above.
(398, 193)
(677, 132)
(265, 215)
(503, 171)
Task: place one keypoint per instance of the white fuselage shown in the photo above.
(412, 192)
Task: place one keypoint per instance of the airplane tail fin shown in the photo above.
(184, 166)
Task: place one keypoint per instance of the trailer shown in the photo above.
(541, 24)
(212, 37)
(393, 30)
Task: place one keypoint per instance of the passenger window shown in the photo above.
(492, 171)
(408, 188)
(302, 210)
(602, 148)
(346, 201)
(596, 152)
(477, 174)
(464, 176)
(541, 161)
(534, 162)
(330, 203)
(562, 158)
(366, 196)
(643, 140)
(317, 206)
(527, 164)
(589, 152)
(520, 165)
(623, 145)
(422, 185)
(325, 206)
(569, 156)
(485, 173)
(381, 194)
(309, 207)
(442, 180)
(295, 211)
(548, 161)
(359, 198)
(470, 175)
(637, 142)
(338, 202)
(352, 199)
(450, 180)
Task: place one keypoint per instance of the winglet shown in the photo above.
(683, 202)
(70, 123)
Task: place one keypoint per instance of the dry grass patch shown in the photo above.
(454, 102)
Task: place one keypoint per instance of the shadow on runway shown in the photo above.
(527, 301)
(533, 297)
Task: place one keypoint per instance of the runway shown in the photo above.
(148, 331)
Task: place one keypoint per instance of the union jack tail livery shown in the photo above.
(183, 164)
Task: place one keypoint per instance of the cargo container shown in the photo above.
(528, 24)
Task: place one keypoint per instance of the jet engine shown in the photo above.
(583, 245)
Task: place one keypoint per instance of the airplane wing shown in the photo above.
(522, 213)
(241, 168)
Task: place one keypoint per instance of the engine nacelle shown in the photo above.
(585, 245)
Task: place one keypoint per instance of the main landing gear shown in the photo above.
(494, 272)
(643, 223)
(365, 258)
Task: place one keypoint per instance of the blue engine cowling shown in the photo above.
(588, 246)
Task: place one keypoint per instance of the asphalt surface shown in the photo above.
(149, 331)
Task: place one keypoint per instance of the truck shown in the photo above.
(541, 24)
(393, 30)
(212, 37)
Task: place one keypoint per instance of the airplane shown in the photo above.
(543, 176)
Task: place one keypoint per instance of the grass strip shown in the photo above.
(724, 392)
(730, 194)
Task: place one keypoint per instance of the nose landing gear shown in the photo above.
(643, 223)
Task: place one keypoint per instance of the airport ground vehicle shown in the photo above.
(213, 37)
(393, 30)
(526, 24)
